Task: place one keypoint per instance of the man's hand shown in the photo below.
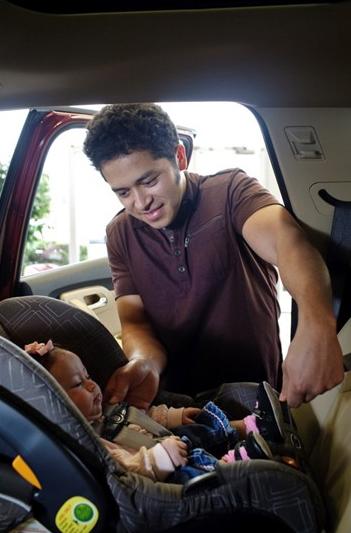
(313, 363)
(136, 382)
(189, 413)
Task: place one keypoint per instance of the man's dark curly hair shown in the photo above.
(121, 129)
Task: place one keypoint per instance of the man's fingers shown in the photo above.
(282, 397)
(284, 392)
(292, 397)
(137, 401)
(116, 389)
(135, 382)
(289, 395)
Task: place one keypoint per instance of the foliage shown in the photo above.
(54, 253)
(41, 208)
(35, 243)
(37, 249)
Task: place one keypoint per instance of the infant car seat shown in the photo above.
(54, 468)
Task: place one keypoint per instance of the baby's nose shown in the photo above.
(90, 385)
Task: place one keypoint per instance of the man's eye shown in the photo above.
(150, 182)
(122, 194)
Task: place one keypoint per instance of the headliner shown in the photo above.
(278, 56)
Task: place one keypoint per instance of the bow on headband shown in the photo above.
(39, 348)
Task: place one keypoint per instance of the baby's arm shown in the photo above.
(171, 417)
(156, 462)
(140, 461)
(167, 455)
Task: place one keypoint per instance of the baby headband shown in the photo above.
(39, 348)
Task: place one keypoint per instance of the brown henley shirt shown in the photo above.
(210, 299)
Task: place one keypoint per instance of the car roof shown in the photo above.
(277, 55)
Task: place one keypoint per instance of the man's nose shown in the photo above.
(141, 200)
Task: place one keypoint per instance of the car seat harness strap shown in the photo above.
(118, 423)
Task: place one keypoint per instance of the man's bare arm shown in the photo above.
(137, 382)
(314, 360)
(138, 338)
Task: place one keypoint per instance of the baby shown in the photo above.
(199, 439)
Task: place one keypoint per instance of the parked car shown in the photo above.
(287, 62)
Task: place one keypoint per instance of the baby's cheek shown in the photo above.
(79, 400)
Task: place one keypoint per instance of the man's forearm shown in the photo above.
(305, 275)
(139, 342)
(313, 363)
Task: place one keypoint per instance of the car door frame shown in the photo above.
(41, 128)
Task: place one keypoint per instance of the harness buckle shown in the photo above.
(114, 421)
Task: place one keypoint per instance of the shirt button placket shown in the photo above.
(177, 252)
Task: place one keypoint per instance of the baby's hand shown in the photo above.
(189, 413)
(176, 449)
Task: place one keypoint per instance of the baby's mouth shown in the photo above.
(98, 398)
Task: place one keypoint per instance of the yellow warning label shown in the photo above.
(77, 515)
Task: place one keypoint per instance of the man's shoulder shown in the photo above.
(220, 178)
(117, 222)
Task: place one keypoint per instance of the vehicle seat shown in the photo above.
(27, 318)
(324, 426)
(33, 405)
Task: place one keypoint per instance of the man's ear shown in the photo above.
(182, 161)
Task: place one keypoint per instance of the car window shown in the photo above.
(72, 206)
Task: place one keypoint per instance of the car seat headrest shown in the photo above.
(28, 318)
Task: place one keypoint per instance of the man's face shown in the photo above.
(150, 189)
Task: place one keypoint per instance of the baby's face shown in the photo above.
(73, 377)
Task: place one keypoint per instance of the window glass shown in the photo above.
(73, 204)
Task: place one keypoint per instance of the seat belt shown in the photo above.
(118, 417)
(339, 257)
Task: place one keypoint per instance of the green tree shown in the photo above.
(41, 208)
(38, 250)
(35, 243)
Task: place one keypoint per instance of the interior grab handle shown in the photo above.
(331, 200)
(96, 301)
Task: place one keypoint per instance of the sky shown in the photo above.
(216, 123)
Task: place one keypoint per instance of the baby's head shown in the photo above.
(67, 368)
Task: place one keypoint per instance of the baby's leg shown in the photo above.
(211, 431)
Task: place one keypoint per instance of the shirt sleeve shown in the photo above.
(121, 278)
(153, 463)
(246, 196)
(169, 417)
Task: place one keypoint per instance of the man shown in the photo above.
(192, 265)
